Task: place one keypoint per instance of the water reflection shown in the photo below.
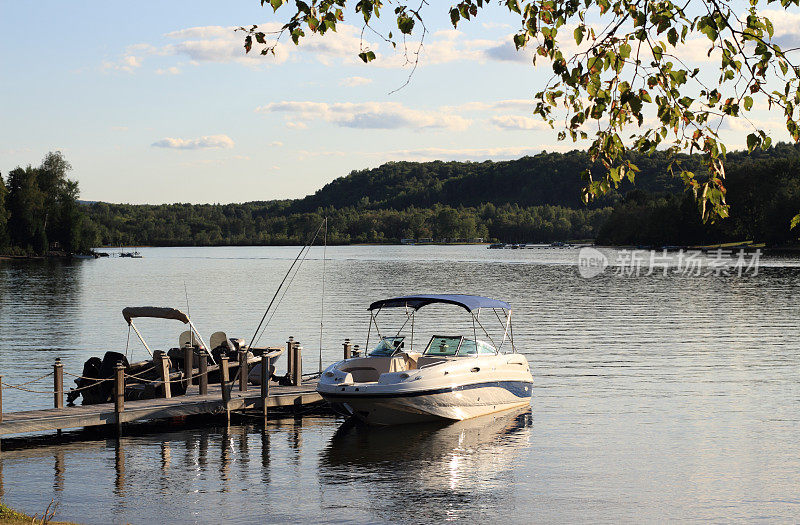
(656, 397)
(429, 472)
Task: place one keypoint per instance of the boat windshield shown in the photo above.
(387, 347)
(443, 345)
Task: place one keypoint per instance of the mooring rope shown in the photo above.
(34, 380)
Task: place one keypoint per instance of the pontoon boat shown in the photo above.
(145, 377)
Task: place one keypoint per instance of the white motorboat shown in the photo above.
(453, 378)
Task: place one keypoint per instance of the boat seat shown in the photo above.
(369, 369)
(410, 359)
(426, 360)
(186, 338)
(218, 339)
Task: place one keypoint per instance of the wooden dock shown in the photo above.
(201, 398)
(159, 408)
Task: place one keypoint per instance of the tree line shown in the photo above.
(269, 223)
(532, 199)
(40, 212)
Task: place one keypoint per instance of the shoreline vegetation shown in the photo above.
(9, 516)
(528, 200)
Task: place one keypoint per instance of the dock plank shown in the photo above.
(154, 409)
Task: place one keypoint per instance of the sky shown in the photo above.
(156, 102)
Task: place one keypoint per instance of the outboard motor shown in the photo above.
(95, 368)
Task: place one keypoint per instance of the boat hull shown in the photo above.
(455, 403)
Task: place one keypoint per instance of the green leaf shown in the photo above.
(795, 221)
(275, 4)
(752, 142)
(748, 103)
(672, 36)
(578, 34)
(454, 16)
(405, 24)
(367, 56)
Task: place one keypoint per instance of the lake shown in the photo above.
(656, 397)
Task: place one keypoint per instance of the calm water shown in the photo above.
(656, 397)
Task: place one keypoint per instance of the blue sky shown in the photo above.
(156, 102)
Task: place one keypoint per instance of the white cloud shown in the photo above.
(520, 104)
(276, 144)
(207, 142)
(127, 63)
(786, 26)
(366, 115)
(495, 25)
(168, 71)
(355, 81)
(518, 122)
(225, 44)
(506, 152)
(119, 128)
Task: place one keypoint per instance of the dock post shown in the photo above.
(264, 385)
(356, 351)
(297, 367)
(119, 395)
(188, 365)
(223, 383)
(1, 399)
(163, 368)
(244, 370)
(58, 384)
(347, 348)
(202, 381)
(289, 356)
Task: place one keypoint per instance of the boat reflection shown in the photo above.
(442, 468)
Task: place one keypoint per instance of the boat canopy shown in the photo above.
(153, 311)
(468, 302)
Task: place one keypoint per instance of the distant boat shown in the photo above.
(497, 246)
(131, 255)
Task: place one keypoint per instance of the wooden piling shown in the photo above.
(264, 384)
(223, 378)
(1, 399)
(356, 351)
(163, 368)
(119, 395)
(290, 356)
(244, 370)
(347, 348)
(58, 384)
(223, 383)
(188, 365)
(202, 381)
(297, 366)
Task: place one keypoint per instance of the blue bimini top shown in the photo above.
(468, 302)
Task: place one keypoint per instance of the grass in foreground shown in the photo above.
(9, 516)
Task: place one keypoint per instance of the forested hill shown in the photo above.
(545, 179)
(532, 199)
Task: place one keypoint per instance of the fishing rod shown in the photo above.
(306, 246)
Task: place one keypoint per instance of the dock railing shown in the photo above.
(89, 415)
